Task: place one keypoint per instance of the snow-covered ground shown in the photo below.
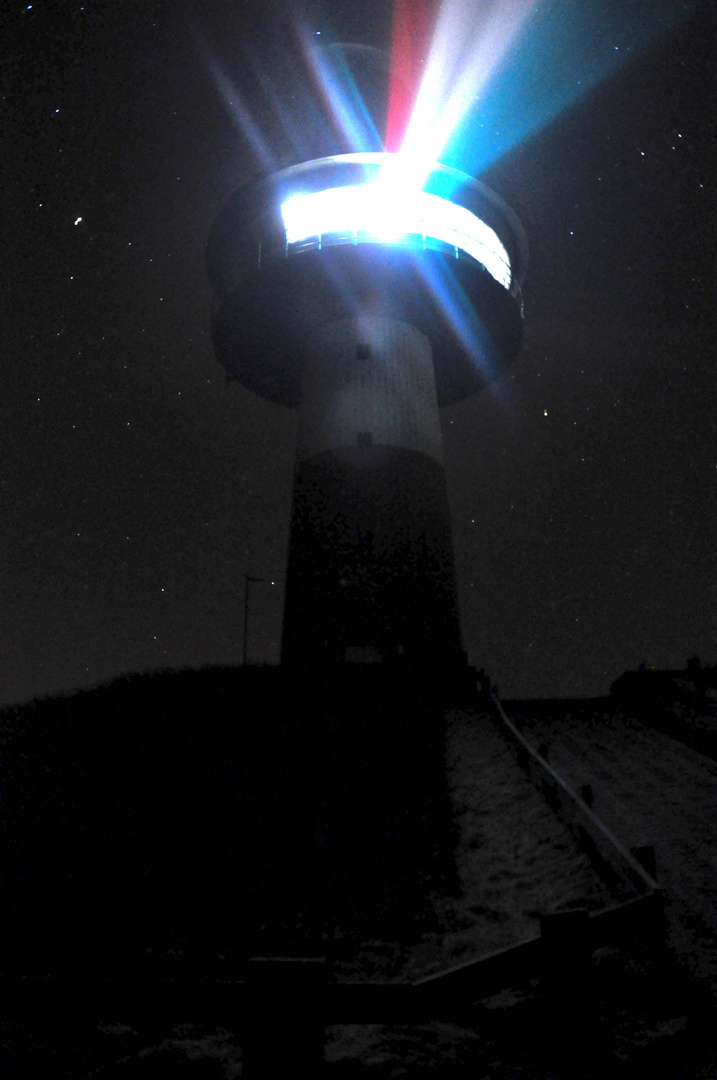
(648, 789)
(515, 860)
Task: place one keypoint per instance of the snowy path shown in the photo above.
(649, 789)
(515, 860)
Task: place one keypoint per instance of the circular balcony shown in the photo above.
(335, 237)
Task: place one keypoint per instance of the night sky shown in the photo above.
(138, 486)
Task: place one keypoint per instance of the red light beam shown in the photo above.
(413, 25)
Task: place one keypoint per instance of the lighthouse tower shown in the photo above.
(366, 295)
(367, 302)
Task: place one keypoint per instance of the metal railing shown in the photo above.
(602, 845)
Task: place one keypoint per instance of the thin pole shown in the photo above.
(247, 579)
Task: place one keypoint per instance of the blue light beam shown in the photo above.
(516, 86)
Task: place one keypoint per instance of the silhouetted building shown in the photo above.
(693, 684)
(679, 703)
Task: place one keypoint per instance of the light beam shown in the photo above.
(470, 43)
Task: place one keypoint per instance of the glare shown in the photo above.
(237, 109)
(342, 99)
(498, 71)
(470, 44)
(386, 211)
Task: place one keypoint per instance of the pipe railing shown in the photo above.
(583, 822)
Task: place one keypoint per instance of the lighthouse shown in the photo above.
(366, 291)
(367, 302)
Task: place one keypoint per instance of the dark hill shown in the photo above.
(218, 812)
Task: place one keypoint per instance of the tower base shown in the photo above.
(370, 574)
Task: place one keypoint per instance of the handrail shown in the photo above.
(581, 816)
